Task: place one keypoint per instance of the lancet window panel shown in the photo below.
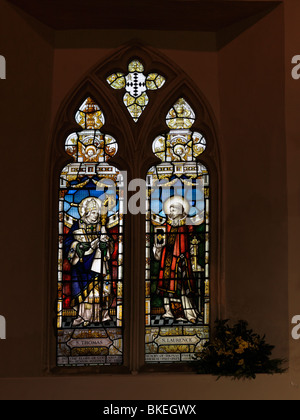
(177, 286)
(90, 256)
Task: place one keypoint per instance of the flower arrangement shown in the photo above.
(236, 352)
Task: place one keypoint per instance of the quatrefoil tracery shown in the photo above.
(136, 85)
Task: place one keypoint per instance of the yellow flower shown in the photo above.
(241, 362)
(242, 344)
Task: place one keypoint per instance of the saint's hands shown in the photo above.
(95, 243)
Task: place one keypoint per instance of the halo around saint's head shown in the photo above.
(176, 201)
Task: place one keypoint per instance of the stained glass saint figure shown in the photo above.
(89, 248)
(176, 282)
(177, 243)
(90, 255)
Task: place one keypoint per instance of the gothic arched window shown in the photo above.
(114, 307)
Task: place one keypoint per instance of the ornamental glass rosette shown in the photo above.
(90, 255)
(177, 292)
(136, 85)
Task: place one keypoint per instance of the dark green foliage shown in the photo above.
(236, 352)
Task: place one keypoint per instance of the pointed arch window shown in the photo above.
(90, 260)
(177, 243)
(134, 290)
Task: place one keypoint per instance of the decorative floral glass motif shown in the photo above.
(177, 243)
(136, 85)
(90, 260)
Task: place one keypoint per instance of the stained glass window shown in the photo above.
(177, 243)
(136, 85)
(90, 260)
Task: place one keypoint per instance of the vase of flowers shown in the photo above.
(236, 352)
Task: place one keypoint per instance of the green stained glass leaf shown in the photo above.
(116, 80)
(154, 81)
(135, 65)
